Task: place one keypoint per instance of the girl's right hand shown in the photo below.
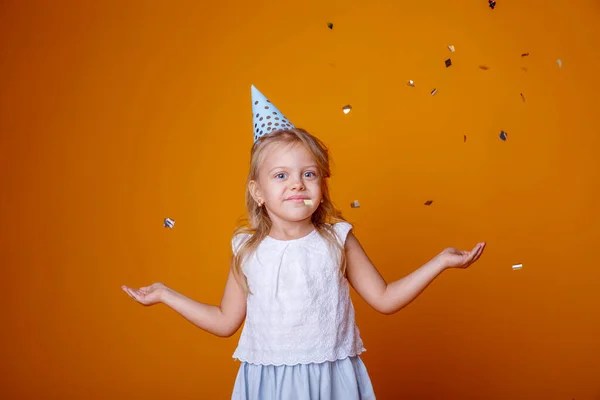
(148, 295)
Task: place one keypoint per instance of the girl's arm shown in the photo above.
(390, 298)
(222, 321)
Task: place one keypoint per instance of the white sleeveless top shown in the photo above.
(300, 309)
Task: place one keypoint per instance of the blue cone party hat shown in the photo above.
(266, 117)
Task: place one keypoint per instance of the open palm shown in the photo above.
(453, 258)
(147, 295)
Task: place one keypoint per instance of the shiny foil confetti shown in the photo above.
(428, 202)
(347, 109)
(434, 91)
(464, 138)
(411, 83)
(559, 61)
(169, 223)
(448, 63)
(517, 266)
(524, 54)
(522, 97)
(484, 67)
(503, 135)
(451, 48)
(308, 202)
(492, 4)
(330, 25)
(355, 204)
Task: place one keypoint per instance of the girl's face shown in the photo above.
(287, 176)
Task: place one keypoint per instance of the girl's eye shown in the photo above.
(310, 174)
(280, 175)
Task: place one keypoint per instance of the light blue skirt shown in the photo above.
(345, 379)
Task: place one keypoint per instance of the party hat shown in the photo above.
(266, 117)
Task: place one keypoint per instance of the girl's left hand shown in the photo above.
(453, 258)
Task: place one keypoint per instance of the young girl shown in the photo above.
(291, 265)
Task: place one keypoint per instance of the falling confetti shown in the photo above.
(523, 97)
(517, 266)
(448, 63)
(492, 4)
(428, 202)
(411, 83)
(484, 67)
(169, 223)
(524, 69)
(330, 25)
(559, 63)
(524, 54)
(451, 48)
(355, 204)
(465, 139)
(503, 135)
(308, 202)
(434, 91)
(347, 109)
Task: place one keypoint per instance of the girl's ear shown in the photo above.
(255, 191)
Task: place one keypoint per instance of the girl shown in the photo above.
(291, 265)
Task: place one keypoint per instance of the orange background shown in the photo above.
(116, 115)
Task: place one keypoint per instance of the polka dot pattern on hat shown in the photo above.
(267, 118)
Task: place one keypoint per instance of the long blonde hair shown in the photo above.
(258, 224)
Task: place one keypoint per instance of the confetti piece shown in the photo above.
(523, 97)
(411, 83)
(451, 48)
(355, 204)
(448, 63)
(492, 4)
(484, 67)
(308, 202)
(517, 266)
(330, 25)
(524, 54)
(434, 91)
(347, 109)
(559, 63)
(428, 202)
(465, 139)
(169, 223)
(524, 69)
(503, 135)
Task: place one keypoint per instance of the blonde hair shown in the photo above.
(258, 224)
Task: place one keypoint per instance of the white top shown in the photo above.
(300, 309)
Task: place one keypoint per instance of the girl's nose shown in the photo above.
(298, 184)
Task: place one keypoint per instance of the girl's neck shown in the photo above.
(291, 230)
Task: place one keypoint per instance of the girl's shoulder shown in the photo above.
(238, 241)
(341, 229)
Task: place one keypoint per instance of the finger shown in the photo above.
(126, 290)
(478, 251)
(470, 257)
(133, 293)
(473, 252)
(481, 248)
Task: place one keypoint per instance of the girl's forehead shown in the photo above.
(286, 154)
